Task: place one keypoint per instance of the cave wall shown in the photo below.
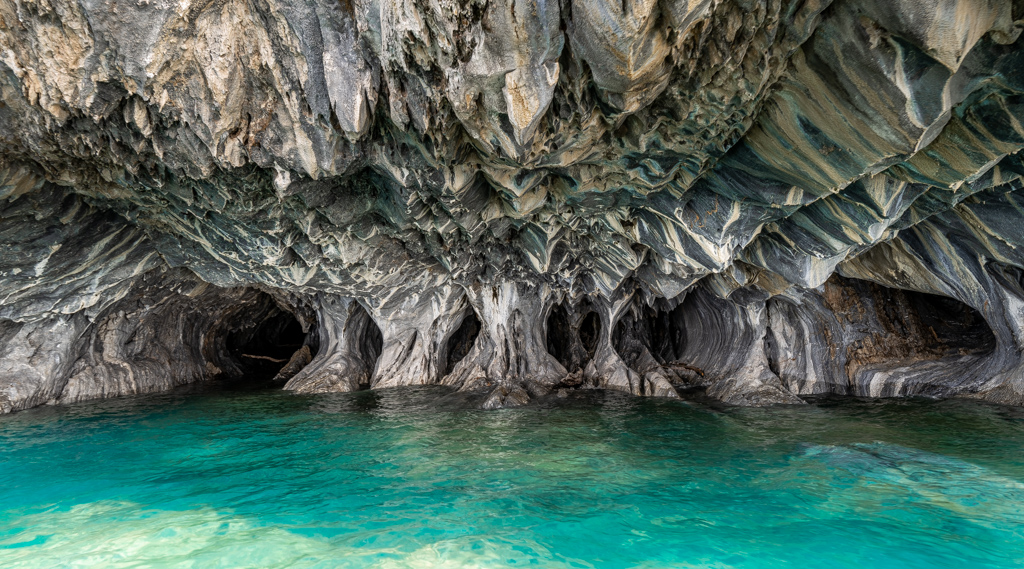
(718, 184)
(169, 329)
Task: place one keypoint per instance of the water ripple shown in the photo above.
(419, 478)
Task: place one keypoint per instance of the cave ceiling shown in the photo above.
(388, 150)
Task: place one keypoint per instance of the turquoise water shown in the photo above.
(415, 478)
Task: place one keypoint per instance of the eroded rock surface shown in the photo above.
(760, 199)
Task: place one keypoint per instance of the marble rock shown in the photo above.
(751, 200)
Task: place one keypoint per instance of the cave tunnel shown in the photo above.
(913, 323)
(640, 329)
(264, 341)
(572, 335)
(703, 332)
(461, 341)
(590, 333)
(953, 324)
(371, 343)
(696, 335)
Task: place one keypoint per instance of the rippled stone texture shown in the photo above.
(760, 199)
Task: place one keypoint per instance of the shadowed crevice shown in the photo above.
(907, 325)
(266, 341)
(461, 341)
(370, 342)
(590, 333)
(572, 335)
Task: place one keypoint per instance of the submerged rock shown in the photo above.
(761, 199)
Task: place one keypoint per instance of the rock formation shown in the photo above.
(757, 199)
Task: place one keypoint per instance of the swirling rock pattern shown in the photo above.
(758, 199)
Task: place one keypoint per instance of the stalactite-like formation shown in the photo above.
(759, 200)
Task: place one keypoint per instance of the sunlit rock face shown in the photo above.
(757, 200)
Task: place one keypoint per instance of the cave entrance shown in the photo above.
(953, 326)
(371, 344)
(643, 331)
(905, 324)
(572, 335)
(264, 349)
(689, 336)
(461, 341)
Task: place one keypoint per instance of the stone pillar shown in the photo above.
(509, 357)
(416, 329)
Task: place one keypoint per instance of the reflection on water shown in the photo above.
(421, 478)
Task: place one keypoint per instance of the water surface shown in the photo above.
(416, 478)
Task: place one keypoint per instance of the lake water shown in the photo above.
(416, 477)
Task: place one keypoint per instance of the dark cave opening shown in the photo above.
(263, 350)
(952, 323)
(371, 344)
(914, 324)
(461, 341)
(559, 344)
(572, 336)
(696, 337)
(635, 332)
(590, 333)
(856, 333)
(660, 332)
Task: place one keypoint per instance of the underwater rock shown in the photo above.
(755, 199)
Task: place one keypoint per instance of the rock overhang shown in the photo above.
(420, 162)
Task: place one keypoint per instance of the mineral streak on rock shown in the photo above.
(759, 199)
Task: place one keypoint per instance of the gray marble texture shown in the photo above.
(752, 200)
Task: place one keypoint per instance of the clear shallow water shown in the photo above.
(411, 478)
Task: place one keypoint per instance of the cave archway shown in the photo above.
(266, 341)
(697, 336)
(590, 333)
(901, 324)
(461, 341)
(636, 333)
(856, 337)
(371, 343)
(573, 334)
